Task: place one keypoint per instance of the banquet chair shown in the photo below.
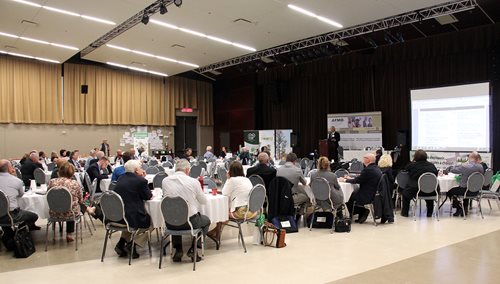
(256, 179)
(152, 163)
(144, 166)
(5, 211)
(203, 165)
(151, 171)
(158, 179)
(39, 176)
(51, 166)
(18, 174)
(112, 185)
(427, 183)
(222, 175)
(60, 200)
(210, 183)
(195, 171)
(493, 192)
(175, 213)
(356, 167)
(115, 221)
(402, 181)
(256, 199)
(167, 164)
(160, 168)
(321, 191)
(473, 192)
(341, 173)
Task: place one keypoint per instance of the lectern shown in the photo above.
(323, 148)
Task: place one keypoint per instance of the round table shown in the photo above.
(35, 203)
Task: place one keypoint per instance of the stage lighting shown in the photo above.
(163, 9)
(178, 3)
(145, 18)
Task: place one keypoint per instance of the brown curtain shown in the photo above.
(30, 91)
(113, 98)
(186, 93)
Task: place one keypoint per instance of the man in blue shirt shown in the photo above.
(121, 169)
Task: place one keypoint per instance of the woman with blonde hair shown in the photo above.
(336, 193)
(385, 165)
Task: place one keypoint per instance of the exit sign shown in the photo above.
(186, 110)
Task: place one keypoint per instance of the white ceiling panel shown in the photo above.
(264, 24)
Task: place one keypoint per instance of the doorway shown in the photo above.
(185, 134)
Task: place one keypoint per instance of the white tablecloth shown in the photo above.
(35, 203)
(447, 182)
(217, 209)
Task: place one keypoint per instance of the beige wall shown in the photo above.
(16, 139)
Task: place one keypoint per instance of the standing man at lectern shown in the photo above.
(333, 144)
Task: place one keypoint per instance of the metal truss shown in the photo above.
(378, 25)
(125, 26)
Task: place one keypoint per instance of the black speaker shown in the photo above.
(85, 89)
(402, 137)
(294, 141)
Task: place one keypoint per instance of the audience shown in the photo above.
(465, 170)
(119, 171)
(294, 175)
(119, 157)
(223, 152)
(336, 194)
(188, 154)
(13, 189)
(263, 169)
(182, 185)
(245, 156)
(74, 160)
(209, 155)
(66, 172)
(368, 181)
(415, 169)
(92, 156)
(29, 166)
(133, 189)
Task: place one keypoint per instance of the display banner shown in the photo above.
(357, 130)
(278, 141)
(251, 140)
(283, 145)
(442, 160)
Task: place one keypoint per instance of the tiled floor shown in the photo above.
(425, 251)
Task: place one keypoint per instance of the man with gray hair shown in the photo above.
(92, 156)
(133, 189)
(293, 174)
(467, 169)
(28, 168)
(368, 181)
(180, 184)
(209, 155)
(13, 189)
(263, 169)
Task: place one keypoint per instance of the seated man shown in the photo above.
(293, 174)
(415, 169)
(119, 157)
(96, 171)
(263, 169)
(92, 156)
(467, 169)
(133, 189)
(368, 182)
(73, 160)
(182, 185)
(208, 154)
(29, 166)
(13, 189)
(121, 169)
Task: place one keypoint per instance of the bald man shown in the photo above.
(368, 182)
(263, 169)
(13, 189)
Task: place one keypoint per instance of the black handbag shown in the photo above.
(342, 225)
(322, 220)
(23, 243)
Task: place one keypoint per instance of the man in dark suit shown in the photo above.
(368, 182)
(95, 171)
(262, 169)
(133, 189)
(105, 147)
(333, 144)
(29, 166)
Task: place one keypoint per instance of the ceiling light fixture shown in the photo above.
(196, 33)
(152, 55)
(57, 10)
(163, 9)
(39, 41)
(178, 3)
(29, 56)
(145, 18)
(311, 14)
(137, 69)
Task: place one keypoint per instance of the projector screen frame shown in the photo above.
(490, 114)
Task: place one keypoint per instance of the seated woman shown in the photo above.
(385, 165)
(237, 188)
(65, 173)
(336, 193)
